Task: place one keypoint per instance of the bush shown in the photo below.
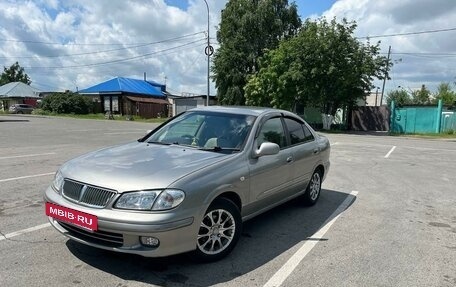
(41, 112)
(67, 103)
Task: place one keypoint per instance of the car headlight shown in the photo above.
(168, 199)
(57, 184)
(150, 199)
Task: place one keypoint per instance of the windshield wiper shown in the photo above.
(160, 143)
(218, 148)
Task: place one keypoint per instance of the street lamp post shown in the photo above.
(209, 51)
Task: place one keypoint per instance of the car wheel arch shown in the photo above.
(232, 196)
(321, 169)
(217, 194)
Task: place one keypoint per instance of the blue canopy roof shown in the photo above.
(125, 85)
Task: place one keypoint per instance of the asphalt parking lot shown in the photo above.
(386, 217)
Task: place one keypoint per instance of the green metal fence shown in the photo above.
(417, 119)
(448, 121)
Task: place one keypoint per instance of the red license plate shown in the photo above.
(72, 216)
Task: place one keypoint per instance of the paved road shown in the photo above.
(391, 205)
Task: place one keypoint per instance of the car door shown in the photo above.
(270, 175)
(304, 152)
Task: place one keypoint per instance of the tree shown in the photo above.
(400, 98)
(421, 96)
(248, 29)
(324, 66)
(445, 94)
(15, 73)
(66, 103)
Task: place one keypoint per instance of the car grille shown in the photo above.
(108, 239)
(87, 195)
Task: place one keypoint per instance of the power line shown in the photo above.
(77, 54)
(424, 53)
(119, 60)
(98, 44)
(407, 34)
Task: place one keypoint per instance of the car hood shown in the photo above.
(138, 166)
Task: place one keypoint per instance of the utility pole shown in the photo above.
(208, 51)
(376, 95)
(386, 75)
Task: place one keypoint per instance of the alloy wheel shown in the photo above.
(216, 231)
(315, 186)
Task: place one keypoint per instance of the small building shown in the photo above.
(189, 101)
(371, 99)
(18, 93)
(127, 96)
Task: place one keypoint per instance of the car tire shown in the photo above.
(313, 190)
(219, 231)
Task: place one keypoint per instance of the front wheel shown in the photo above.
(313, 189)
(219, 231)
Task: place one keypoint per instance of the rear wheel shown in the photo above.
(219, 231)
(313, 189)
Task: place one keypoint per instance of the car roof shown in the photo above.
(241, 110)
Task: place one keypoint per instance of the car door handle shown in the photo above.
(316, 151)
(289, 159)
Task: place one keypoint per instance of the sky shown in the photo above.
(74, 44)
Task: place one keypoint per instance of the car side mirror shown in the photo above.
(267, 148)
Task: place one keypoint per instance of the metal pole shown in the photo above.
(376, 95)
(208, 55)
(386, 75)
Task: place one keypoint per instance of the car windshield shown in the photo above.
(219, 132)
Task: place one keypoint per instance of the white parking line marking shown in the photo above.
(23, 231)
(27, 176)
(282, 274)
(390, 152)
(26, 155)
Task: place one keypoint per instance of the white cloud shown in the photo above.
(30, 28)
(380, 17)
(131, 22)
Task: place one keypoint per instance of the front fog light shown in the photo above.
(149, 241)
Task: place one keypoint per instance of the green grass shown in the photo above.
(99, 116)
(333, 131)
(446, 135)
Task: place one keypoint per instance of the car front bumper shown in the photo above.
(121, 232)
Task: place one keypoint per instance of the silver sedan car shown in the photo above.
(189, 184)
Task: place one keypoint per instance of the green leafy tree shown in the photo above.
(400, 98)
(421, 96)
(324, 66)
(67, 103)
(15, 73)
(248, 29)
(446, 94)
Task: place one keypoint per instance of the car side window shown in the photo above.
(272, 131)
(295, 131)
(307, 133)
